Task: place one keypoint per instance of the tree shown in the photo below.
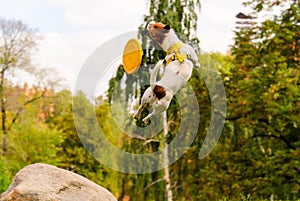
(30, 138)
(77, 157)
(17, 43)
(182, 16)
(264, 103)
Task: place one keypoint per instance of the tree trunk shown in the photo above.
(3, 114)
(166, 160)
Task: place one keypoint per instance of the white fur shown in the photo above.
(171, 38)
(176, 75)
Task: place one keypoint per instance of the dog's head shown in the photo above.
(158, 31)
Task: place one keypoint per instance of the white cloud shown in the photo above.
(17, 8)
(101, 14)
(216, 24)
(68, 52)
(78, 27)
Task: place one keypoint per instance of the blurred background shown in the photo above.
(254, 46)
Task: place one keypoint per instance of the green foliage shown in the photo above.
(264, 102)
(257, 156)
(5, 176)
(181, 15)
(75, 157)
(28, 144)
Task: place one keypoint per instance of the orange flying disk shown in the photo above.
(132, 56)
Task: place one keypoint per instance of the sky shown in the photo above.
(73, 29)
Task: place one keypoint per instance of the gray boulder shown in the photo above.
(41, 182)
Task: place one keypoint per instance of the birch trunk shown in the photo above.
(166, 160)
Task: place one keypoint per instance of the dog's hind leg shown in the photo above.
(138, 113)
(157, 110)
(159, 106)
(147, 98)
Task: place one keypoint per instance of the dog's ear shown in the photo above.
(167, 27)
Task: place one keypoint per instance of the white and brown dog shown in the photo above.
(178, 64)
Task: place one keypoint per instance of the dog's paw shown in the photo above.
(145, 120)
(142, 124)
(136, 116)
(197, 65)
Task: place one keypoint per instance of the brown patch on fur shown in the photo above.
(159, 25)
(159, 92)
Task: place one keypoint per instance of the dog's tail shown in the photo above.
(154, 72)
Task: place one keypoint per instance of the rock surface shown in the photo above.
(41, 182)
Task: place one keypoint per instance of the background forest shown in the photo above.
(257, 156)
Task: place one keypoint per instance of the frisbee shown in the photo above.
(132, 56)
